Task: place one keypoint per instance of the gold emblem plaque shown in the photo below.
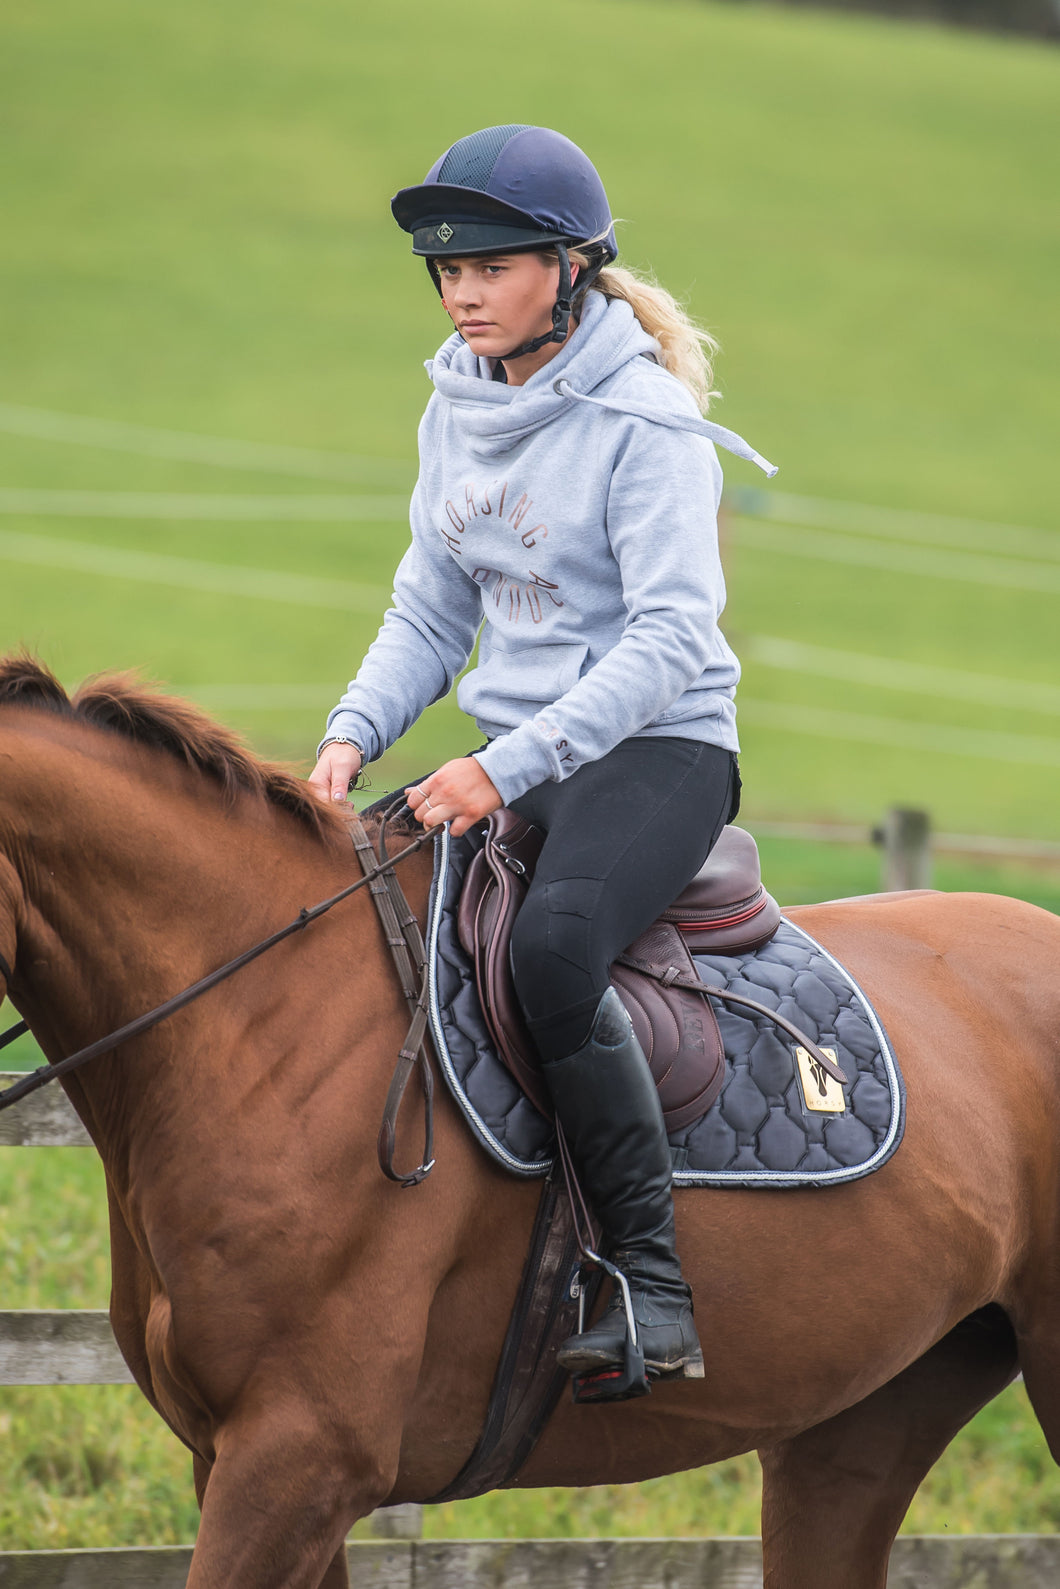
(820, 1091)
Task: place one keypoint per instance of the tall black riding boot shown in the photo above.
(609, 1111)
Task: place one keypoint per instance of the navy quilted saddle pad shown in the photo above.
(773, 1124)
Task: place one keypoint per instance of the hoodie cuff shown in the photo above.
(519, 761)
(351, 725)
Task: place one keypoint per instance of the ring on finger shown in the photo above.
(427, 801)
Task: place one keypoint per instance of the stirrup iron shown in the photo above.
(611, 1384)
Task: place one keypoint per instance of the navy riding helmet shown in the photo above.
(511, 190)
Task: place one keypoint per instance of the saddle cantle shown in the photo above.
(723, 910)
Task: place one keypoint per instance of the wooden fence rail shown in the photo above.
(1002, 1561)
(68, 1346)
(45, 1119)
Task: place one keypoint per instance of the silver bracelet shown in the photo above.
(339, 739)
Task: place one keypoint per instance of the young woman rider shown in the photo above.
(566, 507)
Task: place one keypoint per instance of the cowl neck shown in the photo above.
(608, 336)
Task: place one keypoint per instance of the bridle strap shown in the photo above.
(143, 1023)
(20, 1027)
(405, 942)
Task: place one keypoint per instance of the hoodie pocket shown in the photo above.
(515, 682)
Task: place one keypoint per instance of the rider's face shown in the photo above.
(499, 301)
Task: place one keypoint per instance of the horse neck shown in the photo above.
(133, 880)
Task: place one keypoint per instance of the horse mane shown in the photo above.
(140, 712)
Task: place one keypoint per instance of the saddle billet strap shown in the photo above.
(397, 920)
(528, 1384)
(672, 978)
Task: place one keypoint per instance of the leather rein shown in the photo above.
(405, 942)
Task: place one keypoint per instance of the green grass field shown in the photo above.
(196, 240)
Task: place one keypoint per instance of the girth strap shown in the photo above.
(405, 942)
(528, 1383)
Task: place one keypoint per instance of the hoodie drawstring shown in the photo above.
(698, 427)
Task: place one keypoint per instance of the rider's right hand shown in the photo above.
(335, 771)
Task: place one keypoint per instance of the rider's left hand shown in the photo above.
(459, 793)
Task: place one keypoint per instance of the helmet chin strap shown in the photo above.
(561, 312)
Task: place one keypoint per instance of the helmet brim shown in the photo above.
(448, 222)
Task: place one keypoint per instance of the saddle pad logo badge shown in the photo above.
(821, 1093)
(445, 231)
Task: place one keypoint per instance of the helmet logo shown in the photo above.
(445, 231)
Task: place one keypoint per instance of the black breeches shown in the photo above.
(624, 836)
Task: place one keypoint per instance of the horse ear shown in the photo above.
(28, 682)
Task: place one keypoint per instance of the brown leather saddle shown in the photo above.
(723, 910)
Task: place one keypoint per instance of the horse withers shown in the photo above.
(324, 1341)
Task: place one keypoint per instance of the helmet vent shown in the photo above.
(470, 163)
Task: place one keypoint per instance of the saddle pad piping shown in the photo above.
(529, 1168)
(816, 1178)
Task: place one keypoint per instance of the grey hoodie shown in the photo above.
(577, 516)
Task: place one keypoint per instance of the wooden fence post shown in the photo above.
(404, 1521)
(905, 838)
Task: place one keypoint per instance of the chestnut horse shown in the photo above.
(324, 1341)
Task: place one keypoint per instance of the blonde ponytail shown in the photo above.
(685, 349)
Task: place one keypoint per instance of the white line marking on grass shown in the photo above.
(262, 697)
(889, 673)
(220, 578)
(44, 424)
(905, 524)
(196, 505)
(264, 457)
(957, 843)
(823, 723)
(936, 563)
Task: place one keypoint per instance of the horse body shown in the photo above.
(325, 1341)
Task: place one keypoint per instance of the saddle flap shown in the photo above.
(506, 860)
(494, 888)
(676, 1028)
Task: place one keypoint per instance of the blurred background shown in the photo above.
(212, 339)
